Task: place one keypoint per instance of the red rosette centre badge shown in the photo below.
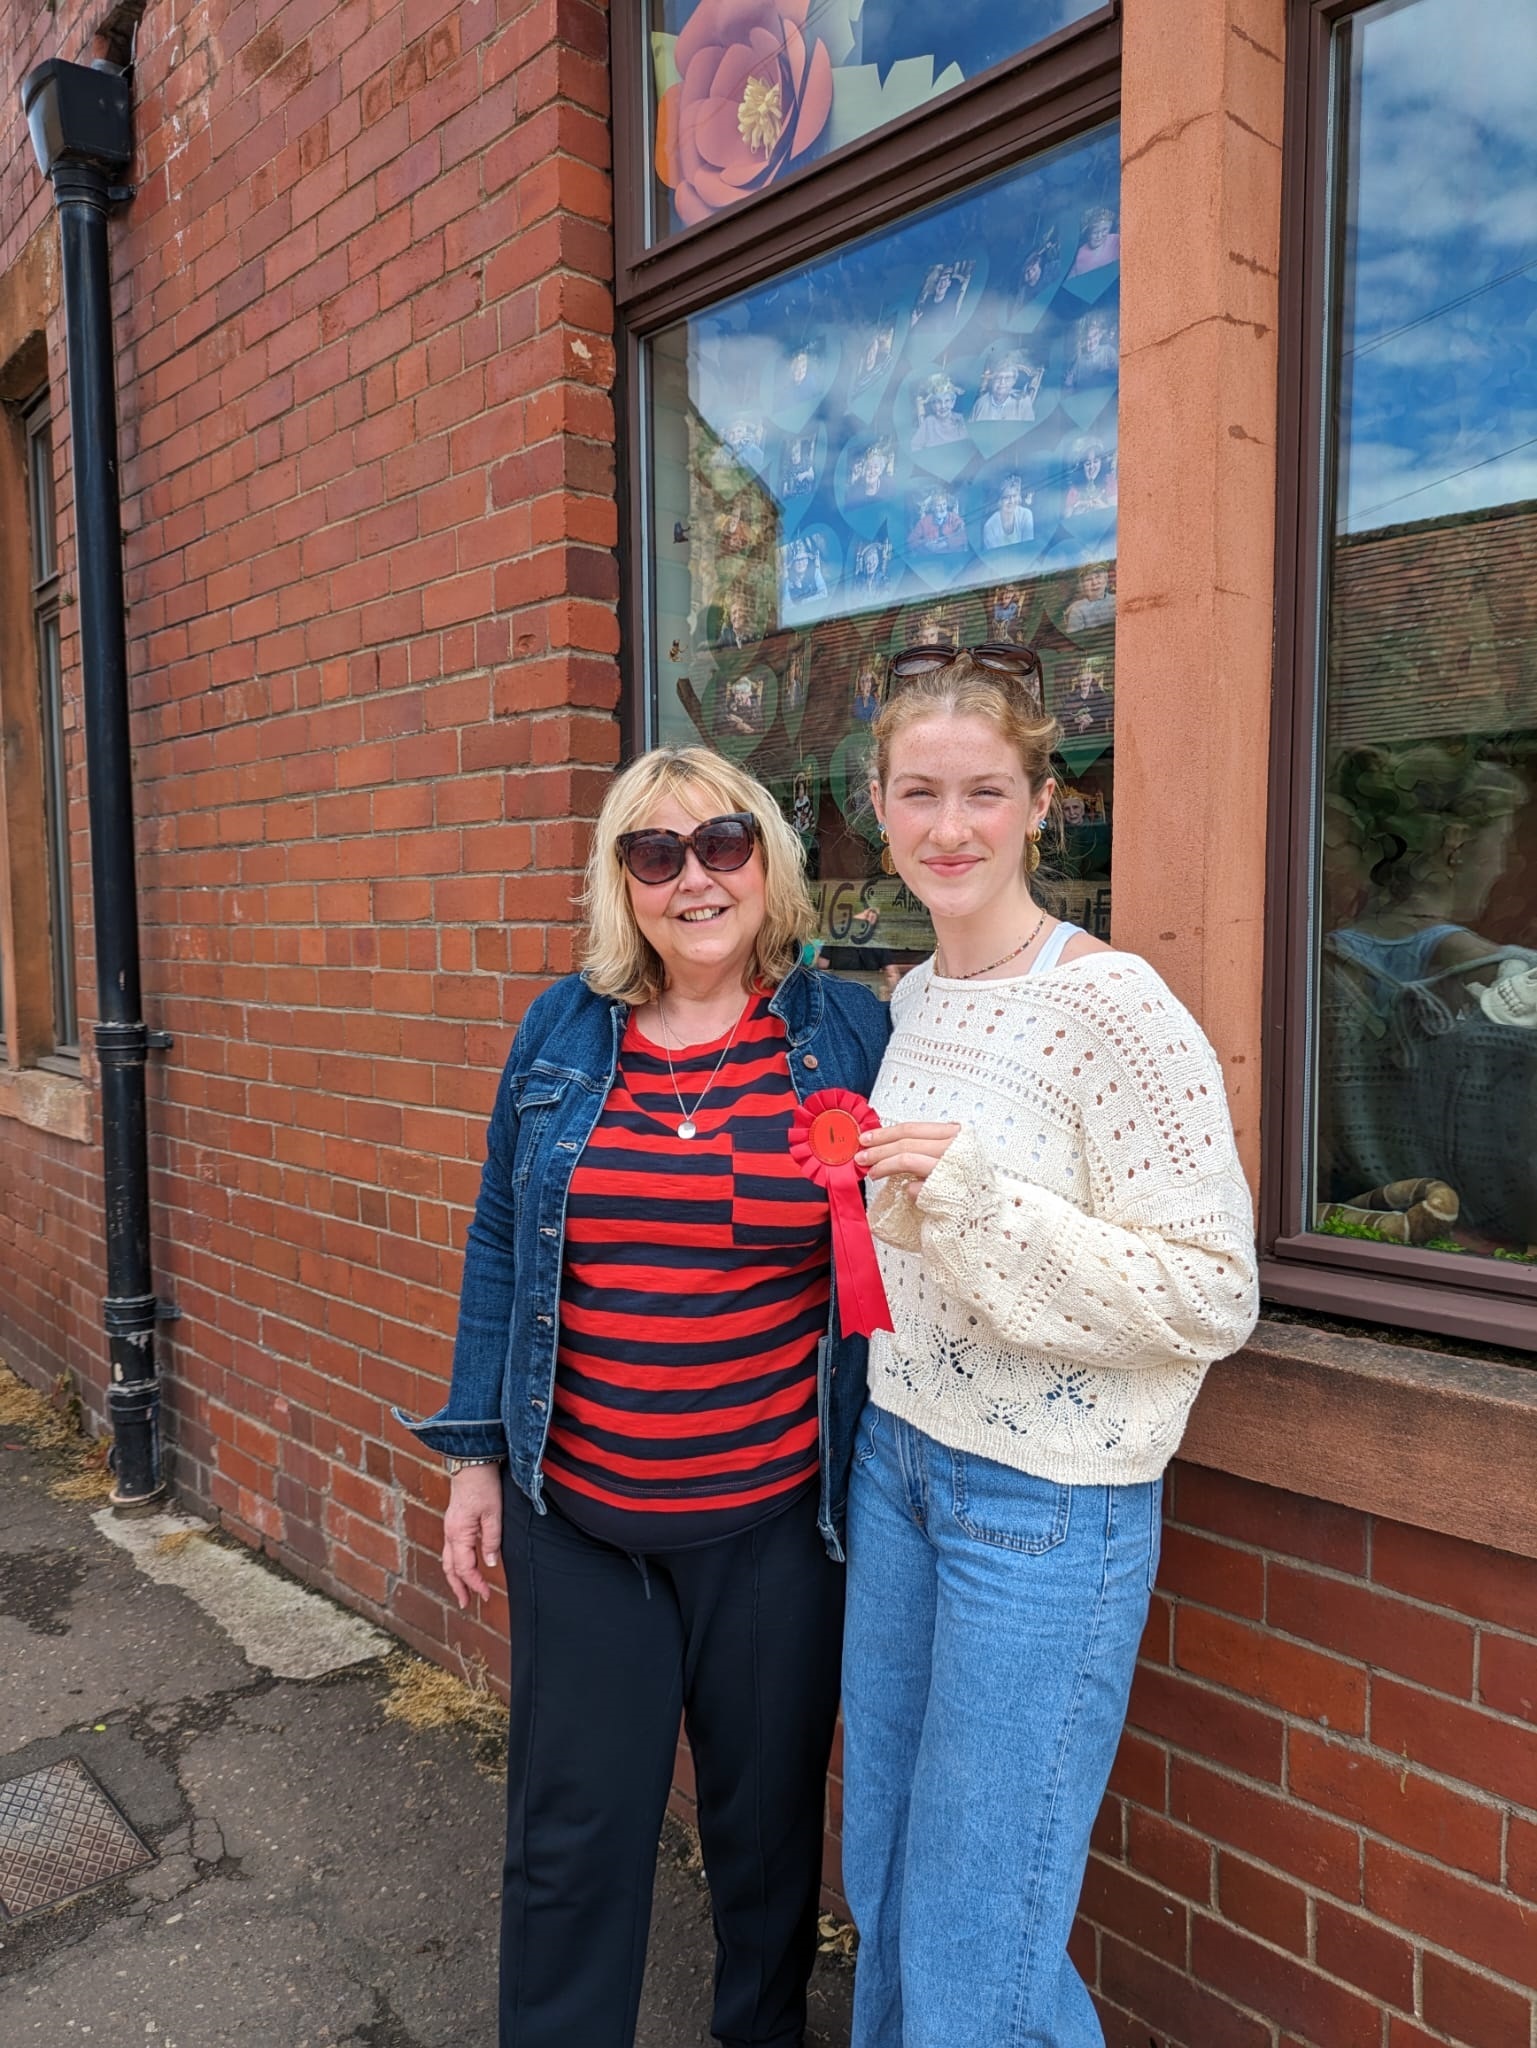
(825, 1133)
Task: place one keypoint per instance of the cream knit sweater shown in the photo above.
(1085, 1248)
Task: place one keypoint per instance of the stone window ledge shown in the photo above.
(58, 1103)
(1426, 1437)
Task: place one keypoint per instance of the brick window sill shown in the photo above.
(58, 1103)
(1424, 1437)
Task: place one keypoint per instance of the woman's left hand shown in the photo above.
(905, 1151)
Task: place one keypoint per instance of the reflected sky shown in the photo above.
(1007, 296)
(1438, 376)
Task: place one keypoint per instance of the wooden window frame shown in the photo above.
(1394, 1285)
(1061, 86)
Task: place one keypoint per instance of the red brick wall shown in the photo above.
(366, 350)
(1322, 1826)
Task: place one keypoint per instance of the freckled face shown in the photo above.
(959, 810)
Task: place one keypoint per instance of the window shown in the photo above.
(745, 95)
(43, 523)
(868, 420)
(1406, 959)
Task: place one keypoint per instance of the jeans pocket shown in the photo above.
(1010, 1510)
(864, 1440)
(1155, 1531)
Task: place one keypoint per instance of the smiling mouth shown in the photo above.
(706, 914)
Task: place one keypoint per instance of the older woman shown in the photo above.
(648, 1342)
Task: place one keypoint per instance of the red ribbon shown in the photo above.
(825, 1133)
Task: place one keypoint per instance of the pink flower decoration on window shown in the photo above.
(754, 93)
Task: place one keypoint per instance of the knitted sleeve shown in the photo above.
(1159, 1271)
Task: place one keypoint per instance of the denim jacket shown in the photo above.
(552, 1089)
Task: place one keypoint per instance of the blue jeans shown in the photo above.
(993, 1624)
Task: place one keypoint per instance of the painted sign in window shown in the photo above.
(747, 91)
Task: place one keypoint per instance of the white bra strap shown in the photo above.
(1053, 949)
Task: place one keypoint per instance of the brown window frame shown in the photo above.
(1393, 1285)
(1061, 86)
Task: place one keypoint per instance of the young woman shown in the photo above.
(652, 1412)
(1066, 1241)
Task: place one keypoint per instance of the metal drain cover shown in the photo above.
(59, 1836)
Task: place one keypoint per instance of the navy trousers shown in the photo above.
(741, 1639)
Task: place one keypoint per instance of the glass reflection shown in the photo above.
(912, 440)
(748, 90)
(1427, 983)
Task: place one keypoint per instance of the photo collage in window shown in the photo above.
(910, 441)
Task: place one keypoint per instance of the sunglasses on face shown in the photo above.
(720, 844)
(1021, 665)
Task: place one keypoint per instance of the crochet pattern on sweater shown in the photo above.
(1085, 1248)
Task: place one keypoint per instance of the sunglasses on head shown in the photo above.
(720, 844)
(1021, 665)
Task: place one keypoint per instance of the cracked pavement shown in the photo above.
(324, 1878)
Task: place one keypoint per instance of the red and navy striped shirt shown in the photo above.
(694, 1294)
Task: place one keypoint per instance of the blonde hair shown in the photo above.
(964, 689)
(617, 958)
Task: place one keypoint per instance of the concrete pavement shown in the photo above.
(323, 1874)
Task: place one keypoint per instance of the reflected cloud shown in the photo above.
(1439, 310)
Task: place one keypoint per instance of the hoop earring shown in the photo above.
(888, 865)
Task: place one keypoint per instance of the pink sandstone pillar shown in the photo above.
(1201, 198)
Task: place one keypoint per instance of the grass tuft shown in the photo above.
(52, 1425)
(836, 1937)
(424, 1695)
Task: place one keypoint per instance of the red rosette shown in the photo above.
(825, 1133)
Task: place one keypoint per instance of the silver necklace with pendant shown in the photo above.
(688, 1128)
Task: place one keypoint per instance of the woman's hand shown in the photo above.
(905, 1151)
(472, 1522)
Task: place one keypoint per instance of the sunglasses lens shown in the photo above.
(724, 844)
(654, 856)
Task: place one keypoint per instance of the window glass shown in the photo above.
(1427, 903)
(45, 615)
(40, 490)
(911, 440)
(747, 91)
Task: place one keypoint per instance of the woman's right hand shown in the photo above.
(472, 1525)
(905, 1152)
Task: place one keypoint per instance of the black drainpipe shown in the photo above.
(82, 130)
